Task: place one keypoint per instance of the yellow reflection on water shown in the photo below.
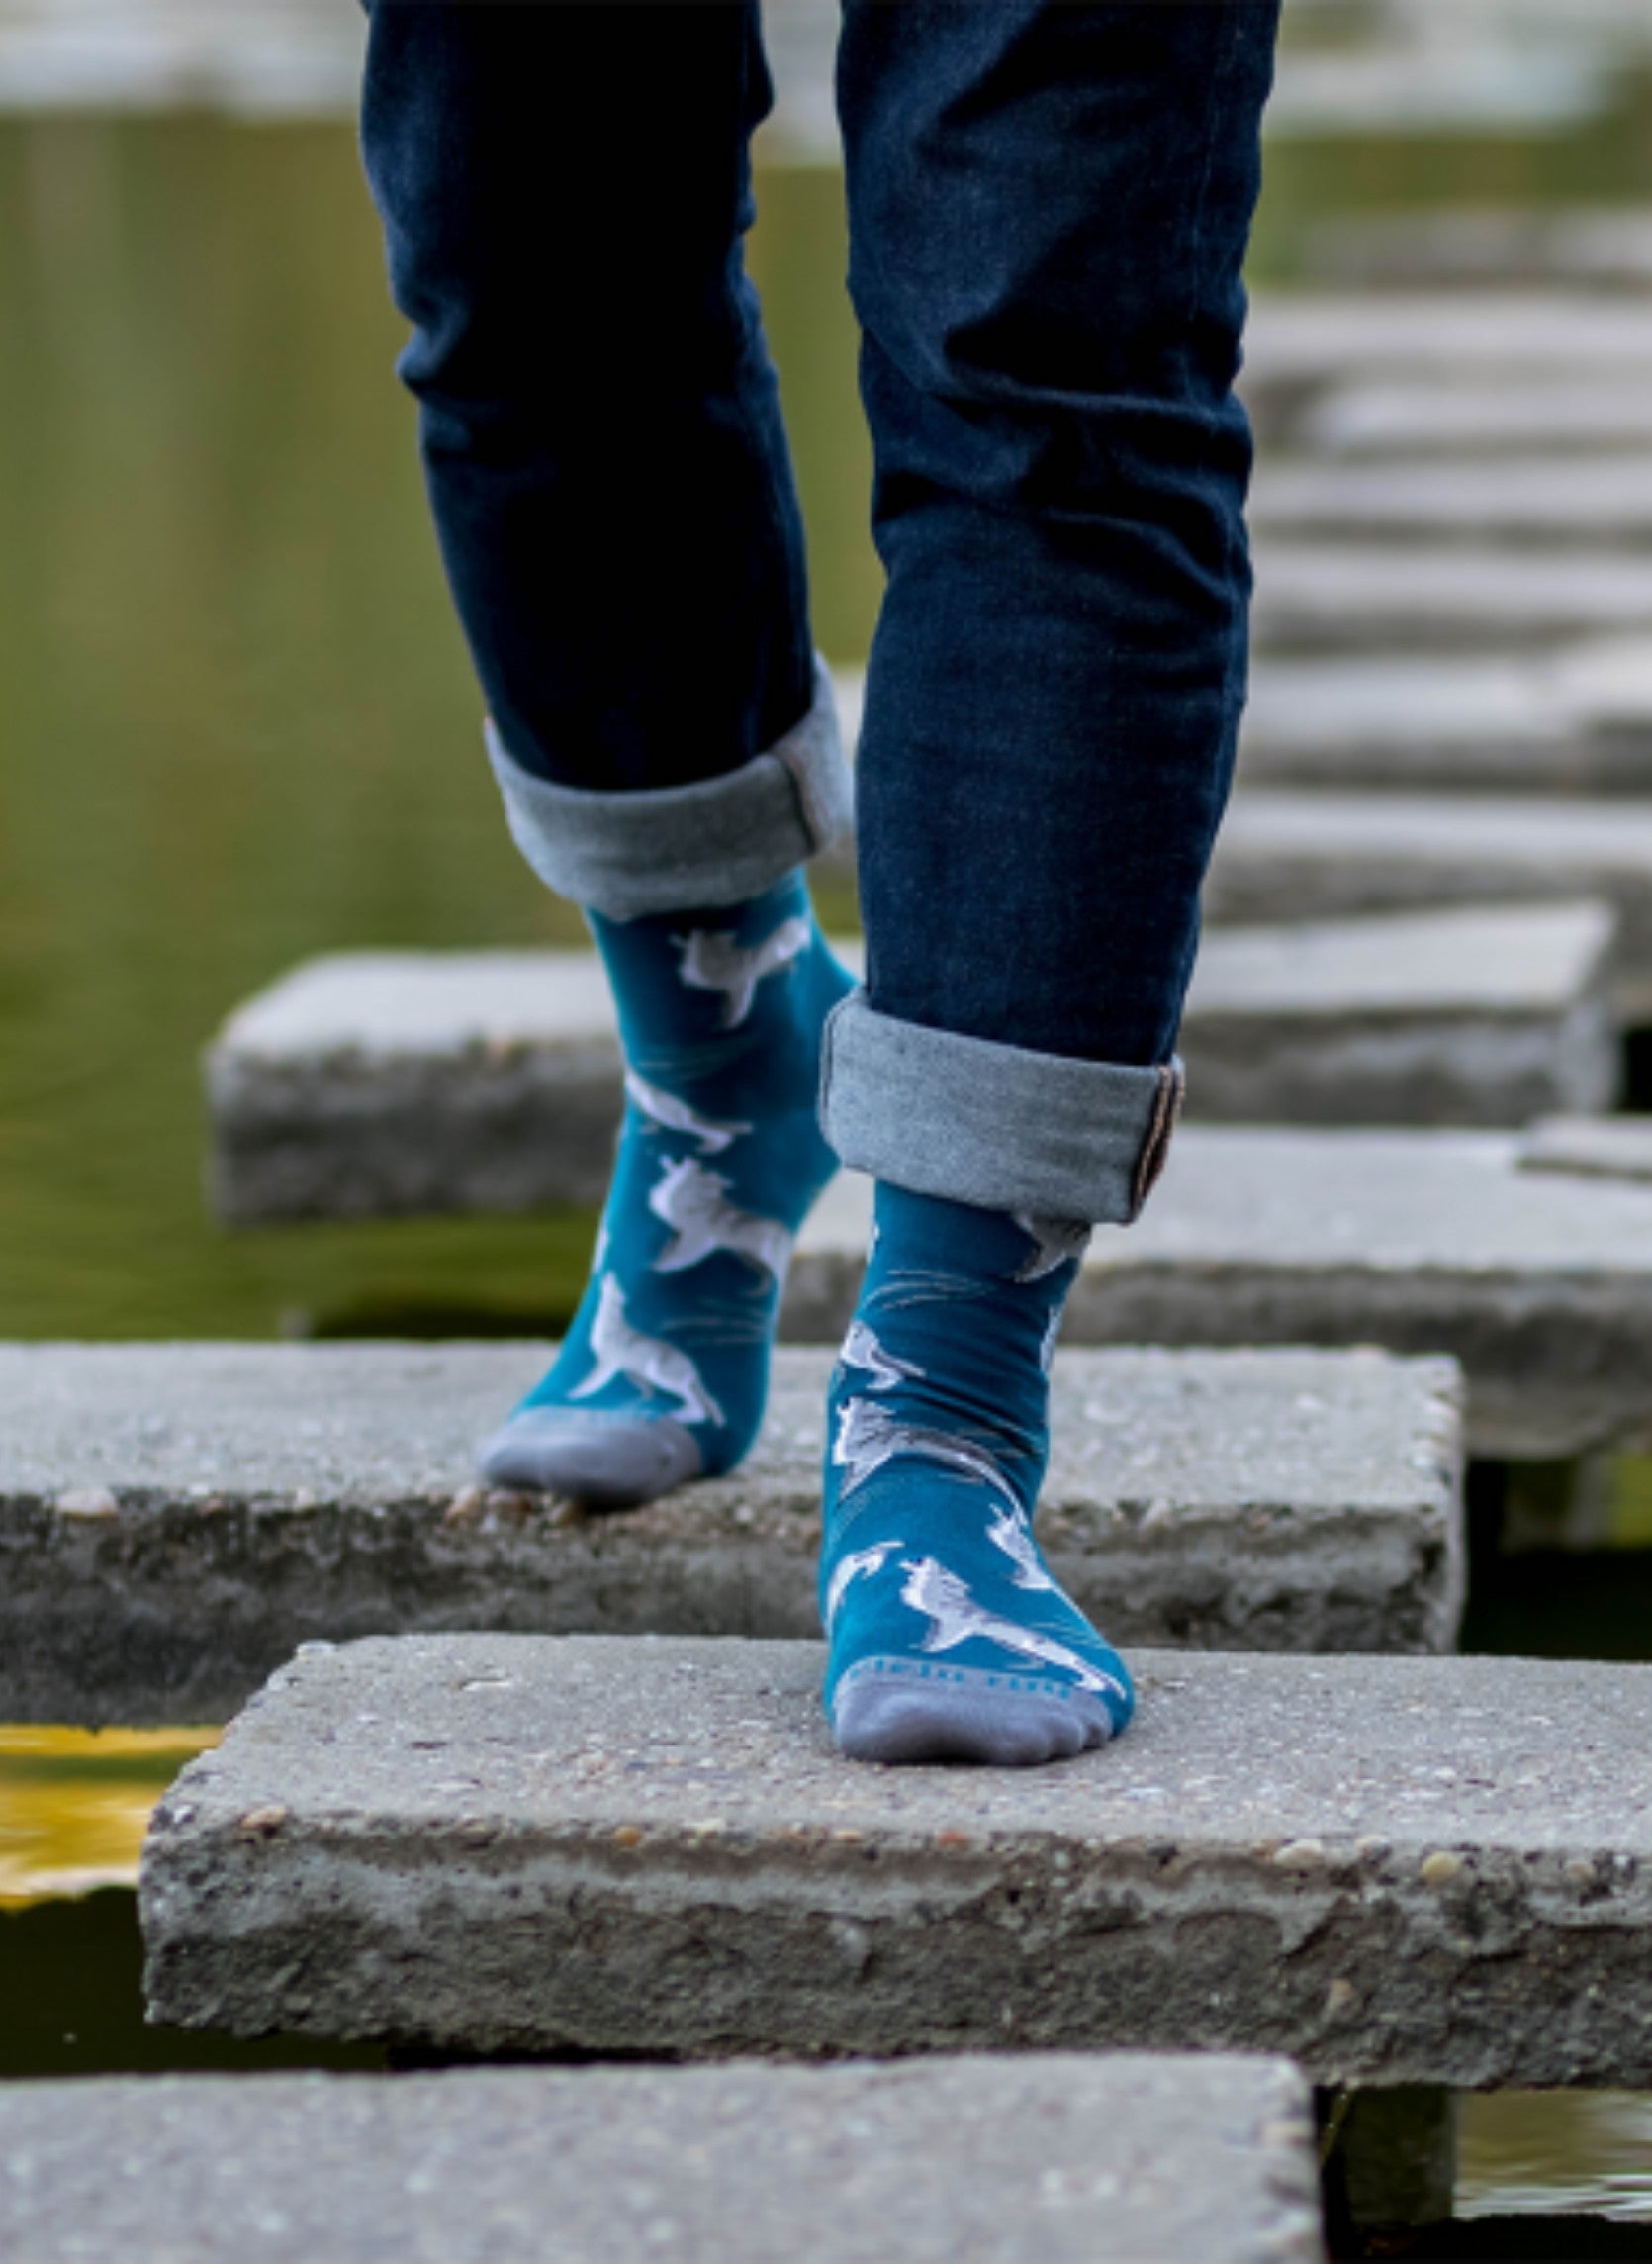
(1555, 2153)
(74, 1804)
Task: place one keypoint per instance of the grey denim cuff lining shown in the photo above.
(678, 848)
(993, 1125)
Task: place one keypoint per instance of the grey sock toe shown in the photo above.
(893, 1723)
(606, 1461)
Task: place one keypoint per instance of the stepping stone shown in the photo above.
(368, 1083)
(1038, 2159)
(1327, 597)
(371, 1084)
(1540, 1285)
(1486, 244)
(176, 1519)
(1590, 1147)
(1299, 339)
(1328, 856)
(1395, 419)
(1578, 720)
(1467, 1017)
(1406, 1870)
(1603, 499)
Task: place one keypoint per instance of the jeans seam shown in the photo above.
(1221, 80)
(749, 370)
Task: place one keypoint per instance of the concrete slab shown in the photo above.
(376, 1083)
(1419, 1871)
(1285, 856)
(1602, 500)
(1539, 1285)
(372, 1083)
(1548, 414)
(176, 1519)
(1605, 246)
(1035, 2159)
(1590, 1147)
(1467, 1017)
(1574, 721)
(368, 1082)
(1303, 338)
(1329, 597)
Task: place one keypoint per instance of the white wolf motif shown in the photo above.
(647, 1362)
(955, 1616)
(861, 1350)
(664, 1109)
(1057, 1240)
(713, 961)
(868, 1560)
(694, 1203)
(1010, 1531)
(869, 1436)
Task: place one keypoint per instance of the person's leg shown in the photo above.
(565, 191)
(1049, 204)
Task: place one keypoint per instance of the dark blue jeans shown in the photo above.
(1049, 207)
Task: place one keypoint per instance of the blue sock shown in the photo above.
(948, 1639)
(664, 1368)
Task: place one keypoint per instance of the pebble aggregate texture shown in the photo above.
(368, 1083)
(1042, 2159)
(228, 1502)
(1540, 1283)
(1392, 1871)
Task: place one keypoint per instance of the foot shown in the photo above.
(664, 1371)
(948, 1639)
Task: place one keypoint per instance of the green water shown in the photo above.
(236, 723)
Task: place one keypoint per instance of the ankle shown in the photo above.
(949, 1638)
(719, 1161)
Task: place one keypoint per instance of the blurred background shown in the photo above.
(238, 727)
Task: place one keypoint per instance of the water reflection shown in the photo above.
(74, 1804)
(71, 2002)
(1557, 2153)
(237, 724)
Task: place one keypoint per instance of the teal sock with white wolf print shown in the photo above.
(948, 1638)
(664, 1368)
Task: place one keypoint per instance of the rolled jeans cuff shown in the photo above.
(993, 1125)
(678, 848)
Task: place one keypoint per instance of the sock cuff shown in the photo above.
(996, 1126)
(669, 849)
